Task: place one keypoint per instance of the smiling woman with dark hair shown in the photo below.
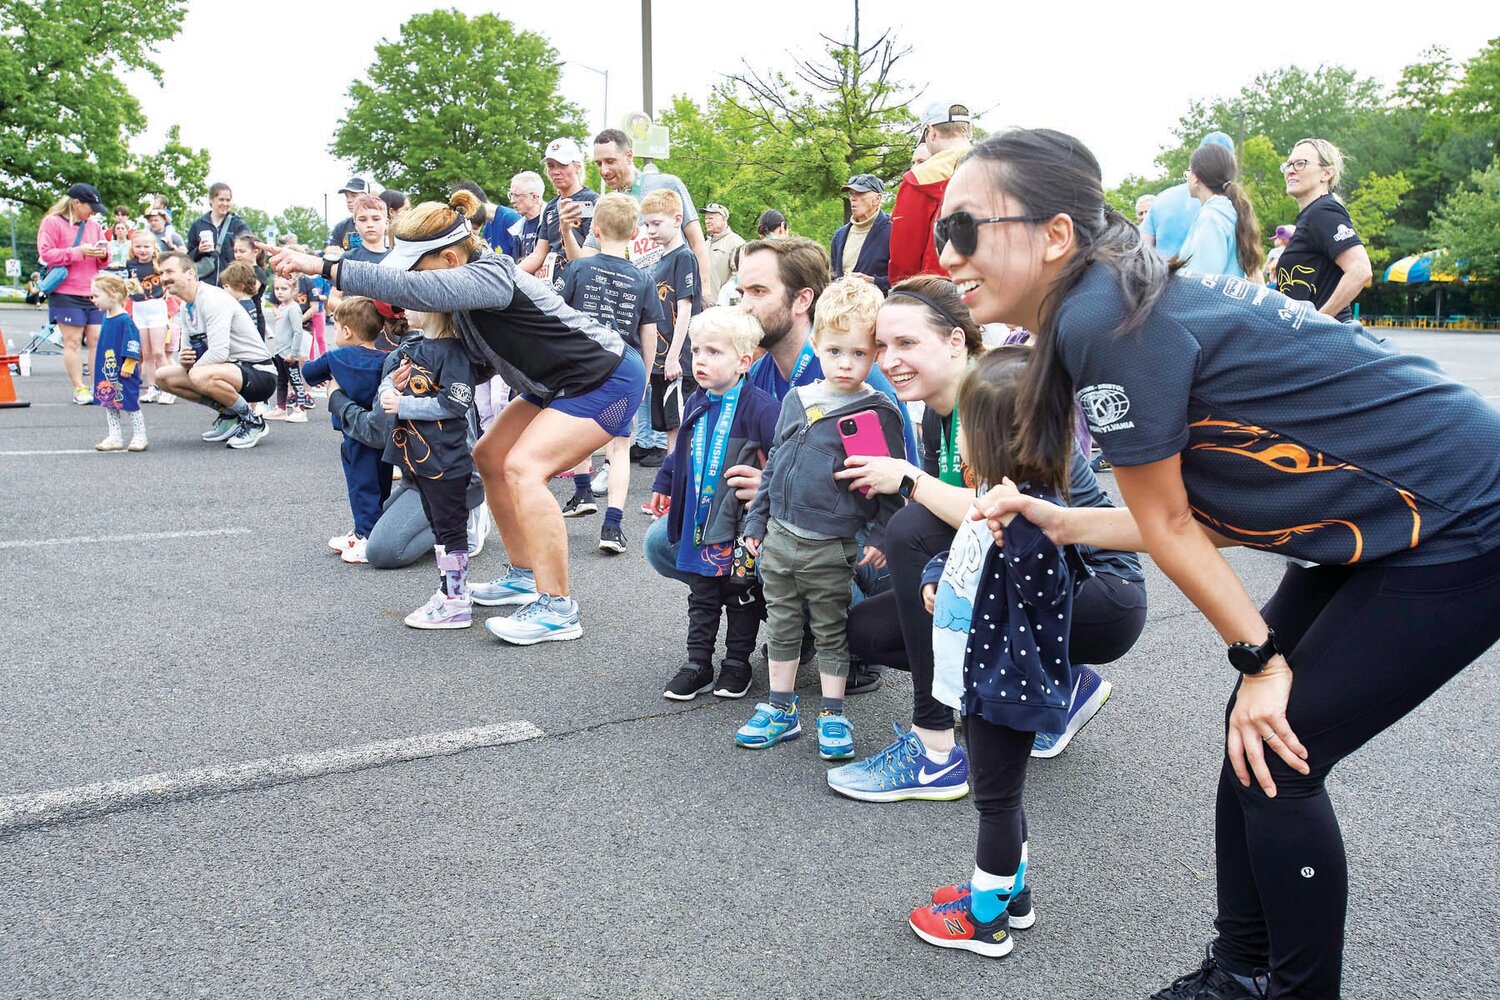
(1235, 416)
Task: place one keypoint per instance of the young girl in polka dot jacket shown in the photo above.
(1000, 650)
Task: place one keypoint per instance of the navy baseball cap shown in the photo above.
(865, 183)
(89, 194)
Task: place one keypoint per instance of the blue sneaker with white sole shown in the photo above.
(835, 736)
(1090, 692)
(546, 619)
(514, 587)
(769, 726)
(901, 771)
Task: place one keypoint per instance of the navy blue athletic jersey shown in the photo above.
(676, 279)
(1298, 433)
(431, 436)
(613, 291)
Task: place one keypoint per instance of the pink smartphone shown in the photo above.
(862, 435)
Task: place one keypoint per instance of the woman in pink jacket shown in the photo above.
(69, 237)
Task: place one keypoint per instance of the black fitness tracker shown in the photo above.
(1250, 659)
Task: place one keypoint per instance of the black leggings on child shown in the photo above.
(288, 375)
(998, 756)
(706, 595)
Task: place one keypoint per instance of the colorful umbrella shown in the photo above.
(1419, 268)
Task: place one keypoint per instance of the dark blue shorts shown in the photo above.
(73, 310)
(612, 404)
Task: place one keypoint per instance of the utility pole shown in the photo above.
(1239, 142)
(646, 57)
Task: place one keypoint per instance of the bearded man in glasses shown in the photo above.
(946, 134)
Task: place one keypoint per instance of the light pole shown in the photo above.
(604, 73)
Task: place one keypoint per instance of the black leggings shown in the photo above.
(998, 756)
(1366, 646)
(893, 628)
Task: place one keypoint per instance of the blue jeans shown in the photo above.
(644, 435)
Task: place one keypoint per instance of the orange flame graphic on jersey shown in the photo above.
(415, 450)
(1288, 458)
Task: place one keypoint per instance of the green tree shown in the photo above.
(306, 223)
(768, 139)
(1467, 226)
(1477, 98)
(65, 115)
(257, 219)
(1372, 207)
(455, 97)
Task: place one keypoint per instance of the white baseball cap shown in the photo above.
(563, 151)
(940, 112)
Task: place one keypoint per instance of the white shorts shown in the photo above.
(150, 314)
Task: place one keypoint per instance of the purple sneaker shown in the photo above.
(441, 611)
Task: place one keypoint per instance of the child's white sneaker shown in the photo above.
(138, 443)
(296, 417)
(355, 553)
(342, 543)
(442, 611)
(111, 443)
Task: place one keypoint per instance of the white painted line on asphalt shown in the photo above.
(19, 812)
(145, 536)
(60, 451)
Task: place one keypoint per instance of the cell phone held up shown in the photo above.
(861, 435)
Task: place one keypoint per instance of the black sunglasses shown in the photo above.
(962, 229)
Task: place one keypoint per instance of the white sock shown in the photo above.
(138, 424)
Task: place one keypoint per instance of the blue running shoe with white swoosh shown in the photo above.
(903, 770)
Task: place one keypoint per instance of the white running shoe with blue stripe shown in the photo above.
(1090, 692)
(903, 770)
(539, 621)
(514, 587)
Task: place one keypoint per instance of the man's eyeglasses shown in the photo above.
(962, 229)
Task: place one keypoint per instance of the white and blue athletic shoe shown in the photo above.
(512, 588)
(538, 621)
(903, 771)
(1090, 692)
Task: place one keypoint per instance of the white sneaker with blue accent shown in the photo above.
(542, 620)
(903, 770)
(513, 588)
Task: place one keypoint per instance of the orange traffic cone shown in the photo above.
(8, 399)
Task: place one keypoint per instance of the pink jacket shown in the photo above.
(54, 245)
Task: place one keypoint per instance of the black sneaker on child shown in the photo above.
(637, 452)
(611, 538)
(1209, 982)
(734, 680)
(691, 681)
(863, 677)
(653, 458)
(580, 505)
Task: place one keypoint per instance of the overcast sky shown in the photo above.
(1116, 75)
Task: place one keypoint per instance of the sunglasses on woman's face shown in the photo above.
(962, 229)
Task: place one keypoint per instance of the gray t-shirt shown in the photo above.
(642, 250)
(216, 318)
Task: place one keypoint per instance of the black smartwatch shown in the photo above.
(328, 268)
(1250, 659)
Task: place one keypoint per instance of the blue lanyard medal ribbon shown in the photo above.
(708, 459)
(803, 360)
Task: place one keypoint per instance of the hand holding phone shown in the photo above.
(861, 435)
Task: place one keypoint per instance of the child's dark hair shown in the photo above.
(989, 414)
(240, 277)
(361, 316)
(395, 326)
(260, 255)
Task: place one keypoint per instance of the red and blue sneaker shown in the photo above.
(953, 925)
(1020, 911)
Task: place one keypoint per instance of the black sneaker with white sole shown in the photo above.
(611, 538)
(734, 680)
(580, 505)
(691, 681)
(863, 677)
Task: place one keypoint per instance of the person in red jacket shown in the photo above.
(946, 134)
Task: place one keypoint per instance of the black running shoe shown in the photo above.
(691, 681)
(654, 458)
(734, 680)
(611, 538)
(580, 505)
(1208, 982)
(863, 677)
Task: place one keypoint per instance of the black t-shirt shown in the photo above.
(676, 279)
(1306, 269)
(613, 291)
(526, 241)
(1297, 433)
(148, 276)
(552, 227)
(364, 253)
(432, 441)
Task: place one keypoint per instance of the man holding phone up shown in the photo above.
(803, 523)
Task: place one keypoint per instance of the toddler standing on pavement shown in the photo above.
(117, 359)
(727, 422)
(803, 523)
